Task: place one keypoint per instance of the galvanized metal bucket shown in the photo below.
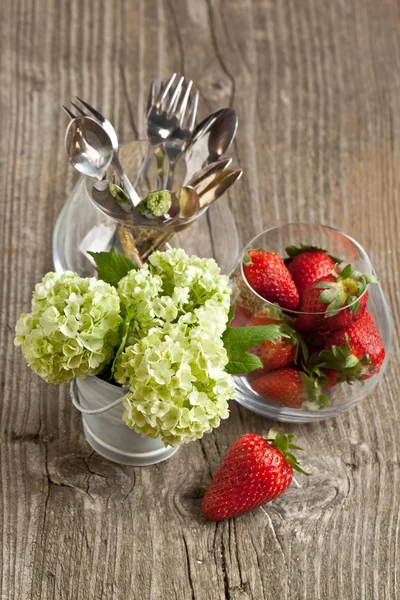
(106, 432)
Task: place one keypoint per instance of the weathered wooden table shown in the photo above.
(317, 88)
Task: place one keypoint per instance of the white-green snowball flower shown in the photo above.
(72, 330)
(179, 389)
(172, 284)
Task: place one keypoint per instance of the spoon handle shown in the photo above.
(171, 173)
(159, 153)
(130, 190)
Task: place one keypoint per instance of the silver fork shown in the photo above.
(166, 110)
(176, 144)
(109, 129)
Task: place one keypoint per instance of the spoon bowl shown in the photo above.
(211, 139)
(219, 186)
(88, 146)
(203, 178)
(189, 202)
(100, 194)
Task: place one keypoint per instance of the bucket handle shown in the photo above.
(89, 411)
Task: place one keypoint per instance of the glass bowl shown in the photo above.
(342, 396)
(82, 227)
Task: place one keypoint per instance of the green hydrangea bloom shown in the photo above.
(179, 389)
(174, 362)
(72, 330)
(172, 284)
(158, 203)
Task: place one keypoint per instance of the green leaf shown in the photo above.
(245, 363)
(124, 330)
(231, 316)
(247, 260)
(245, 338)
(237, 340)
(112, 266)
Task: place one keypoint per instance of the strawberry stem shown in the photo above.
(282, 442)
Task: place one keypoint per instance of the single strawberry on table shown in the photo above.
(254, 471)
(292, 388)
(307, 264)
(268, 275)
(280, 352)
(339, 298)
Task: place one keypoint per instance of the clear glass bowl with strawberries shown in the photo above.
(318, 285)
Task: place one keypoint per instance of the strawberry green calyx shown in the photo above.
(293, 251)
(314, 398)
(346, 289)
(296, 340)
(283, 443)
(247, 260)
(340, 359)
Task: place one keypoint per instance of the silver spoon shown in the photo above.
(203, 178)
(205, 124)
(211, 140)
(100, 194)
(87, 143)
(88, 147)
(219, 186)
(222, 133)
(109, 129)
(189, 202)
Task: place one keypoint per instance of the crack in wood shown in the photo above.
(178, 37)
(189, 571)
(127, 101)
(224, 568)
(218, 53)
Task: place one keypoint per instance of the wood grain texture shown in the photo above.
(317, 88)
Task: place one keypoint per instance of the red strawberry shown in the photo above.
(329, 296)
(307, 264)
(292, 388)
(267, 274)
(364, 342)
(332, 378)
(242, 317)
(254, 471)
(281, 352)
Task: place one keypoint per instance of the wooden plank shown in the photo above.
(316, 85)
